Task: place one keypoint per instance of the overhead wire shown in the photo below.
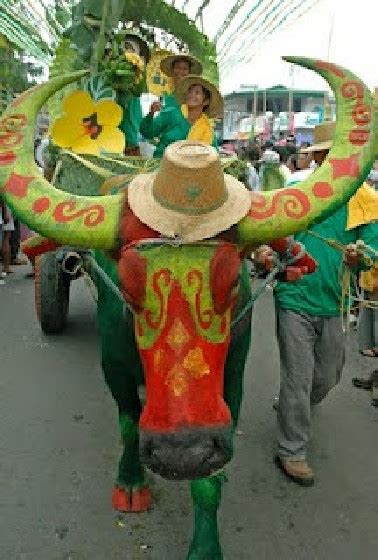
(245, 55)
(247, 59)
(201, 8)
(228, 19)
(241, 25)
(259, 19)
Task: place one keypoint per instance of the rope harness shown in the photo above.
(348, 278)
(88, 265)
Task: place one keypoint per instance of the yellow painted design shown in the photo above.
(138, 64)
(195, 363)
(178, 336)
(87, 127)
(177, 380)
(158, 83)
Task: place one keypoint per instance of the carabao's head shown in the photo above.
(182, 288)
(182, 297)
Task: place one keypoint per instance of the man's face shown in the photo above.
(304, 160)
(180, 69)
(320, 156)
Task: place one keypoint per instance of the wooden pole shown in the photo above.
(99, 49)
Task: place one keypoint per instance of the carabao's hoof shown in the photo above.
(135, 501)
(121, 500)
(141, 500)
(205, 555)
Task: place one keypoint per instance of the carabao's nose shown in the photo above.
(187, 453)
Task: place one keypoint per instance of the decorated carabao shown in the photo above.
(174, 243)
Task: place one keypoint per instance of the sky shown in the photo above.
(341, 31)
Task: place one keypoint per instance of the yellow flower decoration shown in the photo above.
(89, 126)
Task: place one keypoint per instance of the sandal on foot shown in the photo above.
(368, 353)
(298, 471)
(362, 383)
(19, 261)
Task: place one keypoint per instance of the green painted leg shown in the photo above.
(131, 493)
(123, 372)
(130, 470)
(206, 494)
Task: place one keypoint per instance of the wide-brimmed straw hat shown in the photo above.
(189, 197)
(166, 64)
(323, 138)
(215, 107)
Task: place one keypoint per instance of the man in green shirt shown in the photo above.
(131, 104)
(309, 332)
(177, 67)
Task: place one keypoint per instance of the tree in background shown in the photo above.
(17, 73)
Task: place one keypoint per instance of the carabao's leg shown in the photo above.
(206, 495)
(123, 372)
(234, 368)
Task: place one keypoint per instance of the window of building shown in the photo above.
(297, 105)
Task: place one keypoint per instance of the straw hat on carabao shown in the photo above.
(189, 197)
(166, 64)
(215, 107)
(323, 138)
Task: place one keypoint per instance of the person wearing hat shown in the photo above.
(131, 105)
(199, 101)
(177, 67)
(309, 327)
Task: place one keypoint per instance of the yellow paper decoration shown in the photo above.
(87, 127)
(158, 83)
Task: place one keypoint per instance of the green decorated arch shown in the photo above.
(91, 17)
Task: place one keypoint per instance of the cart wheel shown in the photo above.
(52, 294)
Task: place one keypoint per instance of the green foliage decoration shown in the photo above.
(86, 20)
(66, 60)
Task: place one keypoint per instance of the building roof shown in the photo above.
(276, 90)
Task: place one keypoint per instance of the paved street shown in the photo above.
(59, 447)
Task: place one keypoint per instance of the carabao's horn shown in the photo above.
(62, 217)
(289, 210)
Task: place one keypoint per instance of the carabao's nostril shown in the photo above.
(186, 454)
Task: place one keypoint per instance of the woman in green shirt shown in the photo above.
(177, 67)
(200, 101)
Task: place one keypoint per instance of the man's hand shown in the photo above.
(155, 107)
(352, 255)
(263, 257)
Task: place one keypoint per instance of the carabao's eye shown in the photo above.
(224, 270)
(132, 272)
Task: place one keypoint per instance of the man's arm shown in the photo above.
(151, 126)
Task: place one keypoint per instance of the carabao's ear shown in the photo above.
(62, 217)
(224, 269)
(289, 210)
